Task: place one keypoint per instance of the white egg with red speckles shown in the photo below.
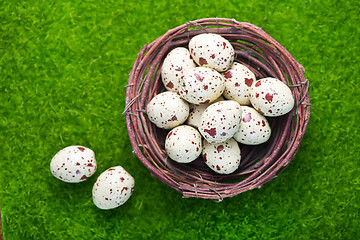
(73, 164)
(113, 188)
(176, 63)
(167, 110)
(238, 80)
(271, 97)
(254, 127)
(196, 111)
(201, 85)
(212, 50)
(224, 157)
(220, 121)
(183, 144)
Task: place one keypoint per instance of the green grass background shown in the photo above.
(63, 68)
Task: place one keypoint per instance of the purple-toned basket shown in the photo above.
(259, 164)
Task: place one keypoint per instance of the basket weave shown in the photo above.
(259, 164)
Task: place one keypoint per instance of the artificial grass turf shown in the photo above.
(63, 66)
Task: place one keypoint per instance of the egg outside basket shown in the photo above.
(259, 164)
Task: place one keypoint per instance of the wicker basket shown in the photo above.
(259, 164)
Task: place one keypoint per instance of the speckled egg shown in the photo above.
(224, 157)
(73, 164)
(167, 110)
(271, 97)
(212, 50)
(238, 80)
(183, 144)
(112, 188)
(254, 127)
(177, 62)
(196, 111)
(220, 121)
(201, 85)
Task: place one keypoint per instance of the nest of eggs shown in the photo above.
(265, 57)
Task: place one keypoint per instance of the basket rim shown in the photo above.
(149, 58)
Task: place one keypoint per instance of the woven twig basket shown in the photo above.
(259, 164)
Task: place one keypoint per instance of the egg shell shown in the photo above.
(224, 157)
(112, 188)
(220, 121)
(183, 144)
(73, 164)
(254, 127)
(167, 110)
(238, 80)
(196, 111)
(177, 62)
(201, 85)
(271, 97)
(212, 50)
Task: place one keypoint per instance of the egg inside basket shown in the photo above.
(265, 57)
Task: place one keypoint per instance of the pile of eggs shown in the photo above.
(212, 103)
